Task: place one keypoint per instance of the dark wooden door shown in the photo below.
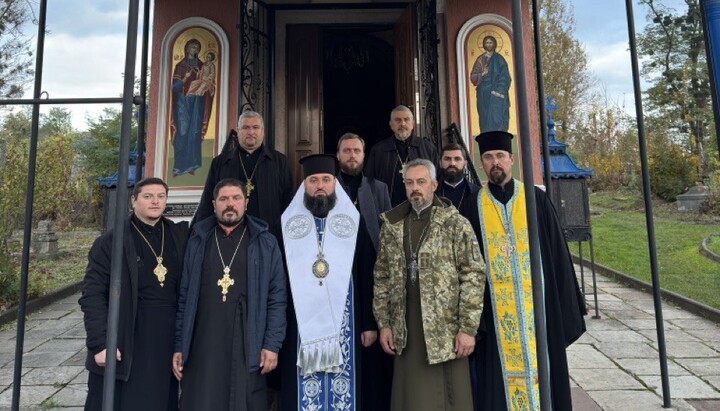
(405, 57)
(304, 93)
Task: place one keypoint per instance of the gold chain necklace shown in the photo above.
(226, 281)
(414, 268)
(248, 180)
(160, 270)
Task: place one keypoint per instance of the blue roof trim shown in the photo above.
(562, 164)
(111, 181)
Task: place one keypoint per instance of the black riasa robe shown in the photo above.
(146, 318)
(564, 308)
(218, 377)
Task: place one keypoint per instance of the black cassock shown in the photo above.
(564, 309)
(151, 385)
(217, 377)
(362, 277)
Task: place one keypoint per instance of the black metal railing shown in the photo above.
(428, 66)
(257, 62)
(128, 100)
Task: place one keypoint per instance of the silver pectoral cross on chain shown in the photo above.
(413, 268)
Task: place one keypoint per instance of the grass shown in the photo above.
(621, 242)
(714, 243)
(47, 274)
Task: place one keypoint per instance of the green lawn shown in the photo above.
(49, 274)
(620, 241)
(714, 243)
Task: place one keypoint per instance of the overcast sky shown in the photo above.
(602, 28)
(85, 48)
(84, 52)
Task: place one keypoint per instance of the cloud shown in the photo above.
(602, 29)
(611, 65)
(84, 52)
(78, 67)
(609, 61)
(85, 18)
(83, 67)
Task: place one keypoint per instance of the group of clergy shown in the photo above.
(387, 284)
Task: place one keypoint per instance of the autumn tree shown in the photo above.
(605, 140)
(17, 124)
(99, 147)
(673, 47)
(15, 54)
(565, 64)
(54, 169)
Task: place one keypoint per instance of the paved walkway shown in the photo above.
(614, 366)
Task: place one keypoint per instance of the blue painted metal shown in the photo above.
(111, 181)
(711, 21)
(562, 164)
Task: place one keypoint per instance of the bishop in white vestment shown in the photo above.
(328, 253)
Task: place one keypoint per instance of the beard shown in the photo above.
(229, 219)
(350, 170)
(452, 175)
(418, 200)
(498, 178)
(403, 134)
(320, 206)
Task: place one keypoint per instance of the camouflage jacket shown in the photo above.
(452, 280)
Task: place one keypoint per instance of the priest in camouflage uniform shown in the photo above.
(429, 279)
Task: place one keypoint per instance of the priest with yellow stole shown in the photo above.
(505, 356)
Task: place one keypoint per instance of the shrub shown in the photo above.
(12, 205)
(53, 191)
(8, 279)
(672, 171)
(711, 204)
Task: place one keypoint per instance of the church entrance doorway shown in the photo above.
(358, 79)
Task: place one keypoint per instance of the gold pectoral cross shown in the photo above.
(225, 282)
(250, 187)
(160, 271)
(402, 168)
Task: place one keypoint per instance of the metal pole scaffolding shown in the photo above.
(270, 117)
(120, 209)
(38, 100)
(29, 199)
(527, 167)
(648, 206)
(541, 101)
(140, 161)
